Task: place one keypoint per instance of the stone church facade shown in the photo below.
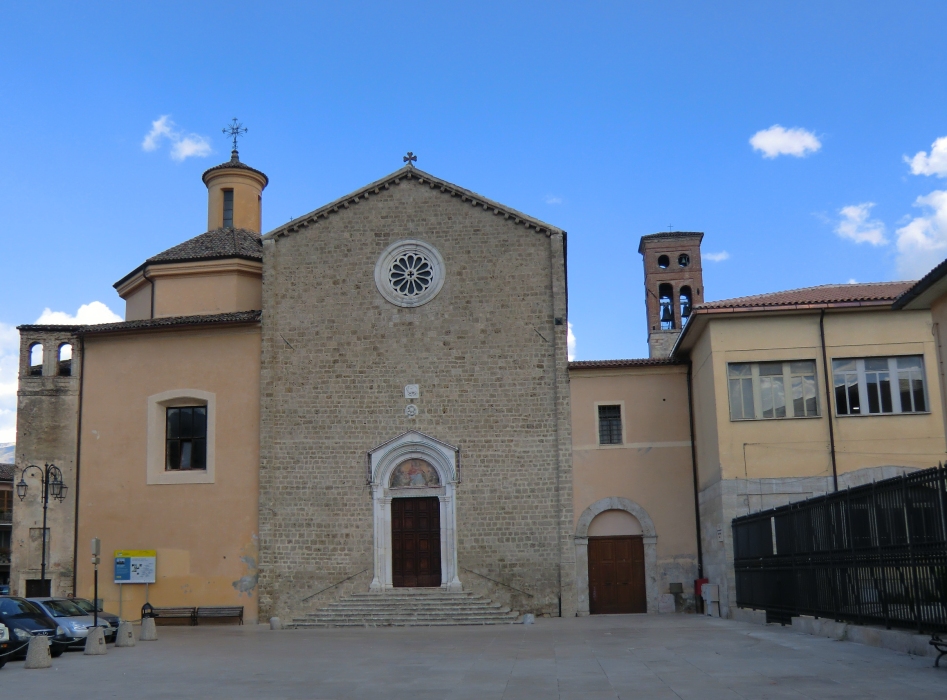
(468, 373)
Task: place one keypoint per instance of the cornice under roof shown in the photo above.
(409, 172)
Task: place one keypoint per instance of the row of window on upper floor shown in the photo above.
(63, 360)
(863, 386)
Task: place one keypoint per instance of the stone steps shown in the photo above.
(407, 607)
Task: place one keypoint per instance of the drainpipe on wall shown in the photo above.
(75, 536)
(828, 398)
(144, 274)
(690, 415)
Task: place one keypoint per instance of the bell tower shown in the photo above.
(673, 284)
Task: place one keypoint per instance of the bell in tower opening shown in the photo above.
(673, 285)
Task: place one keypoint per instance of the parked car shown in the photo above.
(24, 620)
(4, 589)
(6, 646)
(73, 619)
(89, 609)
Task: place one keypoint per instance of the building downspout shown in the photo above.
(75, 537)
(690, 414)
(828, 399)
(144, 273)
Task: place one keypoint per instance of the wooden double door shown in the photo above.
(616, 575)
(416, 542)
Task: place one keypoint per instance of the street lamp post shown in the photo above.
(52, 483)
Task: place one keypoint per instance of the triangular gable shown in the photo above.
(409, 172)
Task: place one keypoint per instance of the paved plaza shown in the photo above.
(621, 656)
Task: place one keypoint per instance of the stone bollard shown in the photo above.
(37, 654)
(529, 619)
(275, 624)
(126, 635)
(149, 633)
(95, 642)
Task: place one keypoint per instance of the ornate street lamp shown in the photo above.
(52, 484)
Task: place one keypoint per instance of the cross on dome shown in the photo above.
(235, 129)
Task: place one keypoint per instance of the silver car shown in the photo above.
(73, 619)
(87, 607)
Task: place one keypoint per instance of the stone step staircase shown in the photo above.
(408, 607)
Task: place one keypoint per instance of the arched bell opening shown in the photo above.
(666, 304)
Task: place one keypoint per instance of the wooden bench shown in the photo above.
(219, 611)
(940, 644)
(171, 613)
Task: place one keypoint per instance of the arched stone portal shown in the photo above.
(649, 537)
(400, 468)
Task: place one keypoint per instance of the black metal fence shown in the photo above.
(874, 554)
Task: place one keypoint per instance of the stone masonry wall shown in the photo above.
(491, 365)
(47, 429)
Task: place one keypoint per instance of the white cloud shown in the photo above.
(182, 145)
(853, 281)
(856, 225)
(717, 257)
(160, 128)
(570, 343)
(778, 141)
(94, 312)
(933, 164)
(553, 199)
(922, 242)
(191, 145)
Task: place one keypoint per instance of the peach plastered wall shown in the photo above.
(205, 534)
(653, 466)
(800, 447)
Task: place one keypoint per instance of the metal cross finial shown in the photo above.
(235, 129)
(669, 227)
(410, 159)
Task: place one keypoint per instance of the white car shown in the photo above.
(73, 619)
(5, 646)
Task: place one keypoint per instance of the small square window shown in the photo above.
(609, 425)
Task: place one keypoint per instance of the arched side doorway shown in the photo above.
(413, 479)
(648, 548)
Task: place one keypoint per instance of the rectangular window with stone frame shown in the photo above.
(186, 438)
(609, 425)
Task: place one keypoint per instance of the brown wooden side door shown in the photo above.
(616, 575)
(416, 542)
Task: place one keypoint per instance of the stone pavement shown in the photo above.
(616, 656)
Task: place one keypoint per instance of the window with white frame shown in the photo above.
(765, 390)
(867, 386)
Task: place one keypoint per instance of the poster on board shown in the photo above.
(135, 565)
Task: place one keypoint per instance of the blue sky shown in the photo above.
(610, 120)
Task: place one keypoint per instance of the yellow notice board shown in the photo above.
(135, 565)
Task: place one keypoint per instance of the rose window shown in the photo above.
(411, 274)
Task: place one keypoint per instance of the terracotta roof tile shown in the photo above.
(219, 243)
(825, 294)
(639, 362)
(234, 162)
(155, 323)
